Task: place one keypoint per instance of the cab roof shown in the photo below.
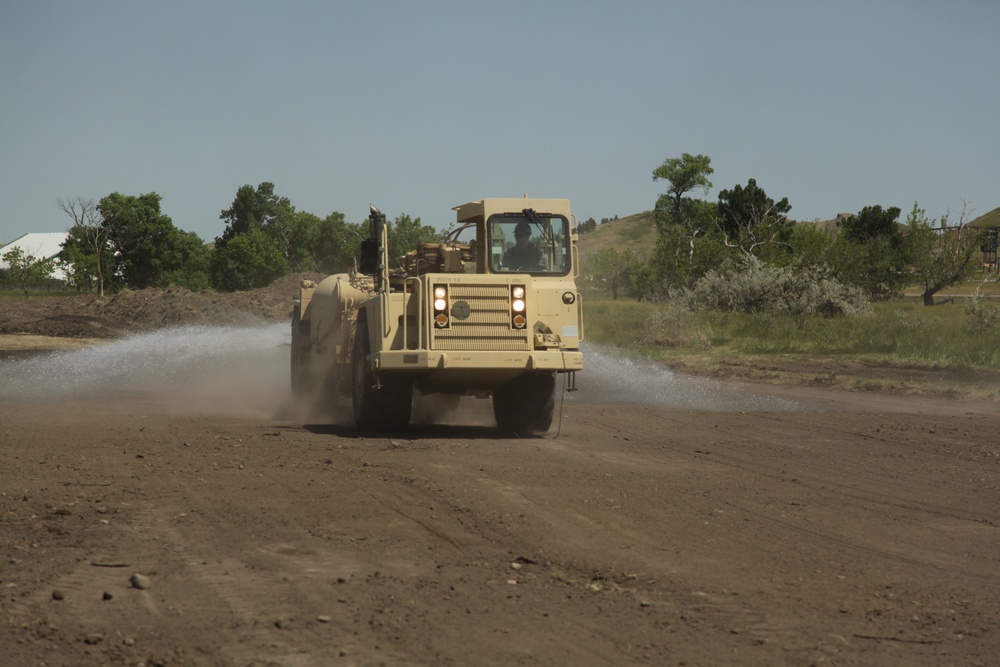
(478, 211)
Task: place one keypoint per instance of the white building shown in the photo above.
(44, 245)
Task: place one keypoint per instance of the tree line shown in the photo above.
(870, 251)
(125, 241)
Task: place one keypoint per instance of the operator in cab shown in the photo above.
(523, 253)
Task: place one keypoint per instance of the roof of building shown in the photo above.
(43, 245)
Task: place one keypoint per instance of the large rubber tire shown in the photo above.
(524, 406)
(376, 409)
(298, 365)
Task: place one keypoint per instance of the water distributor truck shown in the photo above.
(492, 311)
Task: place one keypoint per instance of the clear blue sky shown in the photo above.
(420, 106)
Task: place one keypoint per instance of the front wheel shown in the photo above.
(524, 405)
(384, 408)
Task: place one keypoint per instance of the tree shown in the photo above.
(940, 256)
(683, 253)
(686, 173)
(296, 235)
(336, 244)
(404, 234)
(810, 245)
(25, 270)
(872, 223)
(248, 261)
(614, 270)
(186, 263)
(256, 209)
(148, 247)
(88, 260)
(85, 250)
(749, 219)
(680, 220)
(869, 252)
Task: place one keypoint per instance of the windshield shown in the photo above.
(529, 243)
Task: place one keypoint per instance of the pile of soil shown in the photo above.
(115, 315)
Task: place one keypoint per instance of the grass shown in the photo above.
(898, 330)
(901, 347)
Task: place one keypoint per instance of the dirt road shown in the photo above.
(810, 528)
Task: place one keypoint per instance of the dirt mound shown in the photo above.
(131, 311)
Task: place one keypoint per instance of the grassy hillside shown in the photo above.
(991, 219)
(636, 232)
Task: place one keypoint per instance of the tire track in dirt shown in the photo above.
(877, 495)
(559, 532)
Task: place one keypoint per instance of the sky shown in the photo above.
(419, 106)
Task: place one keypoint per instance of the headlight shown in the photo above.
(517, 307)
(441, 306)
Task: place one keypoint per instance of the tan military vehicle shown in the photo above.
(493, 311)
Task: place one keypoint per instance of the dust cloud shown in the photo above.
(610, 377)
(245, 370)
(208, 369)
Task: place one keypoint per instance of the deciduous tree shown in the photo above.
(941, 255)
(614, 270)
(337, 244)
(680, 220)
(256, 208)
(25, 269)
(404, 234)
(870, 252)
(684, 174)
(148, 247)
(85, 250)
(248, 261)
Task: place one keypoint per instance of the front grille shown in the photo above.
(487, 327)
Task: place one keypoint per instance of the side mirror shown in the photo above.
(369, 257)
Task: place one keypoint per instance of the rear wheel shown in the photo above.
(298, 363)
(376, 409)
(524, 406)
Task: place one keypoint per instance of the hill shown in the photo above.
(991, 219)
(134, 311)
(637, 232)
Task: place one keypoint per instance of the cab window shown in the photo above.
(529, 243)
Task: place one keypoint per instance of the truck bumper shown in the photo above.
(425, 360)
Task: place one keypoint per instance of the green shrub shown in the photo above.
(981, 317)
(675, 326)
(749, 286)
